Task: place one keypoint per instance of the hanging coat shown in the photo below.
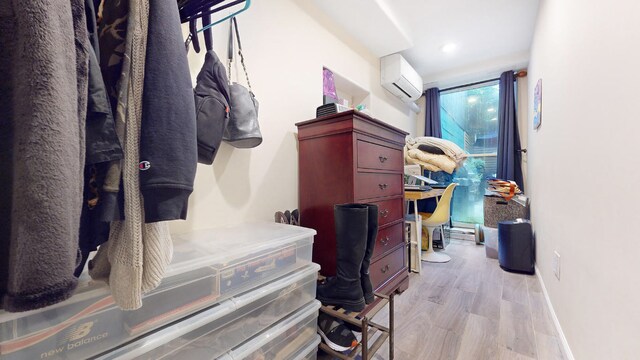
(112, 38)
(168, 144)
(43, 82)
(102, 147)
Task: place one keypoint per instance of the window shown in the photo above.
(469, 118)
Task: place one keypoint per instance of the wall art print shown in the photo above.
(537, 105)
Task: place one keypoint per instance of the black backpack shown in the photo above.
(212, 107)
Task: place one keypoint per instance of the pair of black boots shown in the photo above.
(356, 232)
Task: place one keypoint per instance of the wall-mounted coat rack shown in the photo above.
(192, 10)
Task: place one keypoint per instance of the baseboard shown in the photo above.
(556, 322)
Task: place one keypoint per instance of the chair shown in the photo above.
(439, 217)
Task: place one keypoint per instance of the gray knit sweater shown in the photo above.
(134, 259)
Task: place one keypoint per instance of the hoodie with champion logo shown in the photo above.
(168, 145)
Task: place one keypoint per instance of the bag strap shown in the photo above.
(234, 28)
(230, 48)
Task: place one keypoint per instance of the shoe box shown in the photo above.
(289, 339)
(208, 267)
(216, 331)
(310, 352)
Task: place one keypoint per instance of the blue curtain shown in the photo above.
(432, 125)
(509, 155)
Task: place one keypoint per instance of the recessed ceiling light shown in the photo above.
(448, 48)
(494, 119)
(491, 110)
(472, 99)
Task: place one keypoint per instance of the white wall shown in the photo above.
(422, 103)
(479, 71)
(583, 171)
(285, 50)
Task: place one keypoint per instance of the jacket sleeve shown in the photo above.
(168, 147)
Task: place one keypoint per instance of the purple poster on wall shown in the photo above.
(328, 84)
(537, 105)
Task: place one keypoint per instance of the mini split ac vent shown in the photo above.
(398, 77)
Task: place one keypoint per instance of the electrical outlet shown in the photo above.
(556, 264)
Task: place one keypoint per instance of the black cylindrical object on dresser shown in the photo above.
(516, 251)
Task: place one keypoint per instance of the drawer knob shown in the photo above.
(385, 268)
(382, 158)
(385, 241)
(383, 186)
(384, 213)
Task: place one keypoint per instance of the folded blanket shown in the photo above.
(425, 166)
(431, 149)
(449, 148)
(441, 161)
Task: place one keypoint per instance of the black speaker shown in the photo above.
(516, 251)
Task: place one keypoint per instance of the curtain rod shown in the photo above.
(520, 73)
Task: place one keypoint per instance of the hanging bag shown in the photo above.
(212, 107)
(243, 130)
(211, 95)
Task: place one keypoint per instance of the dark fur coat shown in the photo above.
(43, 87)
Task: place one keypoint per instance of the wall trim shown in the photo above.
(556, 322)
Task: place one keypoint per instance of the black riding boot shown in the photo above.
(372, 234)
(345, 289)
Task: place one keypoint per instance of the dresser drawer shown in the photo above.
(389, 211)
(387, 239)
(373, 185)
(389, 265)
(374, 156)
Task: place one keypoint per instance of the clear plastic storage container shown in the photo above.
(284, 340)
(219, 329)
(310, 352)
(208, 267)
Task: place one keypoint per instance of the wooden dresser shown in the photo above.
(352, 158)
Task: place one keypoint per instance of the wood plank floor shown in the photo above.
(470, 309)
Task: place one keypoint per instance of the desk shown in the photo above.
(415, 196)
(419, 195)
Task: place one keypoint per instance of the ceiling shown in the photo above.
(490, 36)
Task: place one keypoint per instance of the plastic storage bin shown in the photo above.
(208, 267)
(217, 330)
(310, 352)
(284, 340)
(490, 242)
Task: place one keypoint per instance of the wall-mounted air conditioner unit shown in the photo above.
(400, 78)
